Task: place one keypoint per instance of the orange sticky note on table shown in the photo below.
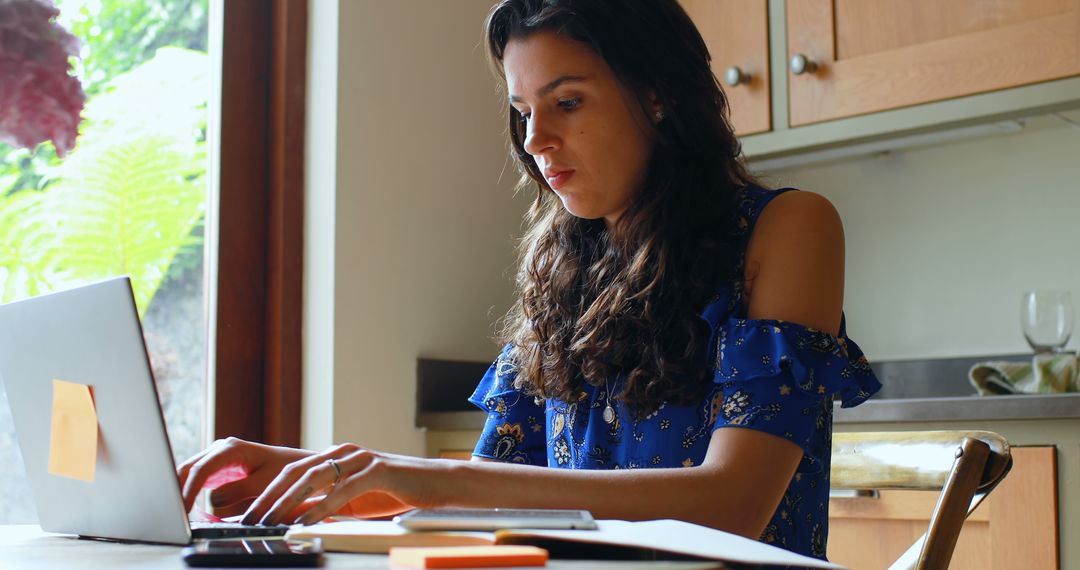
(501, 556)
(73, 439)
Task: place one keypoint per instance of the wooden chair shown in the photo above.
(964, 465)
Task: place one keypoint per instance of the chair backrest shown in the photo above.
(964, 465)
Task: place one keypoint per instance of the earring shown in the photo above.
(659, 115)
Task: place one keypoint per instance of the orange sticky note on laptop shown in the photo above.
(73, 439)
(502, 556)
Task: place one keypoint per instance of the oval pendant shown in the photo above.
(609, 414)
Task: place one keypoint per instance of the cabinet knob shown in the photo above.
(801, 64)
(735, 76)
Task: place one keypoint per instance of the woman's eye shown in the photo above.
(569, 104)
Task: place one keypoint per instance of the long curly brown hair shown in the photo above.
(597, 302)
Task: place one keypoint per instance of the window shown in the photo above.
(130, 199)
(257, 278)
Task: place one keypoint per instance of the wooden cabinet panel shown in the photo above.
(1016, 527)
(874, 55)
(737, 34)
(1023, 514)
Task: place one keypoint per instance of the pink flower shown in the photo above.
(39, 99)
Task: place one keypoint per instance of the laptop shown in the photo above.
(92, 336)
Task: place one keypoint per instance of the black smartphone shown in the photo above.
(253, 552)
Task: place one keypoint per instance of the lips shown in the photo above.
(557, 178)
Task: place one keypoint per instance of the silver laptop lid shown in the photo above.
(91, 335)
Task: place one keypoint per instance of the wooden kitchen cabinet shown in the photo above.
(737, 35)
(875, 55)
(1016, 527)
(887, 69)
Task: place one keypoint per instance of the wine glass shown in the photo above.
(1047, 320)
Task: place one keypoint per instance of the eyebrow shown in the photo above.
(553, 85)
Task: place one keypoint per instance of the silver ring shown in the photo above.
(337, 470)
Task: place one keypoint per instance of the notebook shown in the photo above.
(88, 419)
(613, 539)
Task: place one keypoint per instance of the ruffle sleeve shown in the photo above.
(819, 362)
(781, 378)
(514, 429)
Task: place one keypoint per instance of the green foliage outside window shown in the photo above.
(130, 197)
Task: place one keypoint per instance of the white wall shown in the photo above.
(418, 218)
(942, 241)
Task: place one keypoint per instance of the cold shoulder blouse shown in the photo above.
(773, 376)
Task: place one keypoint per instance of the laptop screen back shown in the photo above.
(92, 336)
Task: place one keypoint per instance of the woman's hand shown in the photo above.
(355, 481)
(235, 470)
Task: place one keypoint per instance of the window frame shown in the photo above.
(258, 348)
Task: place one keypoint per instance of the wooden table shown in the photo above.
(28, 547)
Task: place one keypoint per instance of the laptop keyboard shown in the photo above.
(205, 529)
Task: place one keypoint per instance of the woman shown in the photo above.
(666, 300)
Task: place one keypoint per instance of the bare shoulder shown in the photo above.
(793, 213)
(795, 262)
(795, 223)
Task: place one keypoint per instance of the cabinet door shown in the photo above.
(1015, 527)
(874, 55)
(737, 34)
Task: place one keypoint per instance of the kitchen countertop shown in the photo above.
(964, 408)
(929, 390)
(956, 408)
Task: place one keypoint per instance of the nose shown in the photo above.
(540, 135)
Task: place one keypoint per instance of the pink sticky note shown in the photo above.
(225, 475)
(198, 514)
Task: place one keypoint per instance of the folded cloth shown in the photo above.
(1045, 374)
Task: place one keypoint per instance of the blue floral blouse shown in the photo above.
(773, 376)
